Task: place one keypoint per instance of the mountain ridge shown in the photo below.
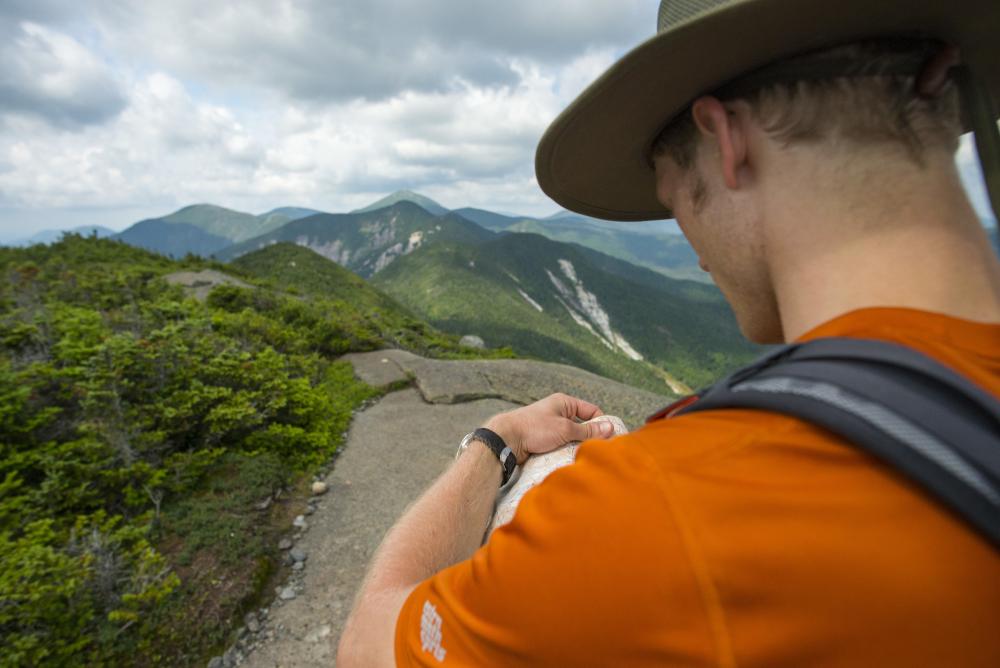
(172, 239)
(221, 221)
(642, 245)
(369, 241)
(219, 228)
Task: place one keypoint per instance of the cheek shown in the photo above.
(687, 221)
(689, 231)
(696, 228)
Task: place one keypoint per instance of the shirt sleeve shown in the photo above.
(592, 570)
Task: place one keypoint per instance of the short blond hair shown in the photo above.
(876, 107)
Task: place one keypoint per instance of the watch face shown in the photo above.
(464, 444)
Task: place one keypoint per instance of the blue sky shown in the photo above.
(116, 110)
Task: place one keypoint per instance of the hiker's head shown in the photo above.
(743, 100)
(728, 154)
(594, 158)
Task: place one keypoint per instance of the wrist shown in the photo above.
(502, 427)
(480, 457)
(496, 446)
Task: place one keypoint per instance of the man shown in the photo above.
(822, 195)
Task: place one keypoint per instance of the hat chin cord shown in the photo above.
(982, 119)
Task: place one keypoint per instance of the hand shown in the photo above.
(547, 424)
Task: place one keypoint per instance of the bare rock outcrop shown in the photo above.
(200, 283)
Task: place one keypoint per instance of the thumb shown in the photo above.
(598, 429)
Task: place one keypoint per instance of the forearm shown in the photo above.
(443, 527)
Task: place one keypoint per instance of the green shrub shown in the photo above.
(69, 595)
(139, 429)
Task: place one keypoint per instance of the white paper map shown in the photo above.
(534, 471)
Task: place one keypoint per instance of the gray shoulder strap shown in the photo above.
(915, 414)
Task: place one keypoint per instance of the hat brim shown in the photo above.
(593, 159)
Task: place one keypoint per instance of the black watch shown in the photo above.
(492, 440)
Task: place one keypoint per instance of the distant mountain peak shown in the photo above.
(201, 206)
(202, 229)
(405, 196)
(561, 213)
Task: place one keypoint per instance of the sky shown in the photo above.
(112, 111)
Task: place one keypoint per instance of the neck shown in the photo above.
(882, 233)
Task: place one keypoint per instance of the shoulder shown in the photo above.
(702, 439)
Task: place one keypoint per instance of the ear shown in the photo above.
(722, 127)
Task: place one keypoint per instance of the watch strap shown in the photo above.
(496, 444)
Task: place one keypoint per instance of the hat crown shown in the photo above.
(674, 12)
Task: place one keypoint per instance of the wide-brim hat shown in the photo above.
(594, 158)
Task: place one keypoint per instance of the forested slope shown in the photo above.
(569, 304)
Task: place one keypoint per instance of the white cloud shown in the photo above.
(163, 143)
(470, 145)
(50, 75)
(323, 50)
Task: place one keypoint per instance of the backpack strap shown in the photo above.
(913, 413)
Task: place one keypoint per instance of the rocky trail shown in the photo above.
(394, 449)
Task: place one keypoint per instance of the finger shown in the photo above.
(580, 408)
(592, 430)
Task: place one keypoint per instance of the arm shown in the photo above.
(445, 526)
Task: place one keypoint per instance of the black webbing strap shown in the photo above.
(915, 414)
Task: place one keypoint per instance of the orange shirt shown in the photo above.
(730, 538)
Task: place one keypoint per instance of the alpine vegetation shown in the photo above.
(154, 437)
